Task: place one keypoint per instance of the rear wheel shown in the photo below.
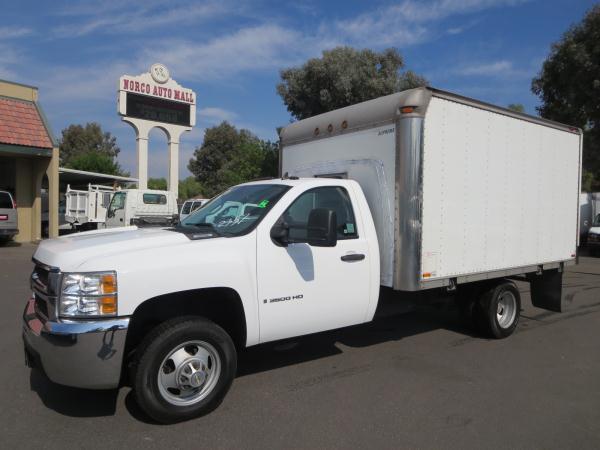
(184, 369)
(498, 310)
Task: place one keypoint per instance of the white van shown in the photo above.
(191, 205)
(142, 207)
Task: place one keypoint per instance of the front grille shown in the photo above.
(45, 282)
(41, 306)
(41, 275)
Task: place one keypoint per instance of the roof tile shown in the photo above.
(21, 124)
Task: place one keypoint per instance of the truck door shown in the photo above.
(115, 216)
(304, 289)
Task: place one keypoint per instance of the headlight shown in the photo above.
(88, 294)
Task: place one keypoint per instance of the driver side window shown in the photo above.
(335, 198)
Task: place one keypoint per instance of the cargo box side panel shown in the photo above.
(366, 156)
(498, 192)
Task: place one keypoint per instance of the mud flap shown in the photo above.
(546, 290)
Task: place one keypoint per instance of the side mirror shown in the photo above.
(280, 233)
(322, 228)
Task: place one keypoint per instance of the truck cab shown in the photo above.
(144, 207)
(263, 261)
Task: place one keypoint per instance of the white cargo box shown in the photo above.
(459, 190)
(87, 206)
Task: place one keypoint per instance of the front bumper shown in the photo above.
(79, 354)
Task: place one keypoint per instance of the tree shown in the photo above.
(77, 140)
(569, 88)
(157, 183)
(230, 156)
(517, 107)
(341, 77)
(95, 162)
(189, 188)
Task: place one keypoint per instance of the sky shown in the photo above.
(230, 53)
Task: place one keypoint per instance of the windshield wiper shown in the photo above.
(187, 228)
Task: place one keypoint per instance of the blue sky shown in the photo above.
(231, 52)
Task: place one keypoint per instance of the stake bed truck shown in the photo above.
(421, 190)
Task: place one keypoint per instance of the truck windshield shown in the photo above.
(596, 221)
(117, 202)
(237, 210)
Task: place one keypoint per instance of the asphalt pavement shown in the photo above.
(407, 380)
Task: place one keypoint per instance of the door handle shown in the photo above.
(353, 257)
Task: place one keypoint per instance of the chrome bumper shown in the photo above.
(79, 354)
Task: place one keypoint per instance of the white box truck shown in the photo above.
(86, 209)
(417, 191)
(142, 207)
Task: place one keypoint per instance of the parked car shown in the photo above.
(8, 217)
(191, 205)
(593, 238)
(421, 192)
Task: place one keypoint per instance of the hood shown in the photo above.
(71, 251)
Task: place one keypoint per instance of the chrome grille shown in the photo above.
(41, 306)
(45, 285)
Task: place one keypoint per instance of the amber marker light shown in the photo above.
(407, 109)
(108, 305)
(427, 275)
(108, 284)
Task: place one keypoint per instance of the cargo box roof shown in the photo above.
(385, 110)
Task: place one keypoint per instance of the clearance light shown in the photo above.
(427, 275)
(407, 109)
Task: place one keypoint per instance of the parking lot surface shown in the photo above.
(412, 380)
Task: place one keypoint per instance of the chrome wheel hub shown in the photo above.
(189, 373)
(506, 310)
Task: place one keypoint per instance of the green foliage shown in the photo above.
(157, 183)
(587, 181)
(569, 87)
(189, 188)
(96, 162)
(517, 107)
(78, 140)
(230, 156)
(342, 77)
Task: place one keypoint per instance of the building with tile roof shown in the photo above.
(28, 159)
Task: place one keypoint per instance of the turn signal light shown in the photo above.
(108, 284)
(108, 305)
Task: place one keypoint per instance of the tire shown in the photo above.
(498, 309)
(184, 369)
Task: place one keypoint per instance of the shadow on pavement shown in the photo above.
(394, 321)
(70, 401)
(390, 324)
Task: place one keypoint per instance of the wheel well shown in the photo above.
(221, 305)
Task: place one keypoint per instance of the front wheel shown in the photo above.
(184, 369)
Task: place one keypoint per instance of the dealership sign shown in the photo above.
(156, 97)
